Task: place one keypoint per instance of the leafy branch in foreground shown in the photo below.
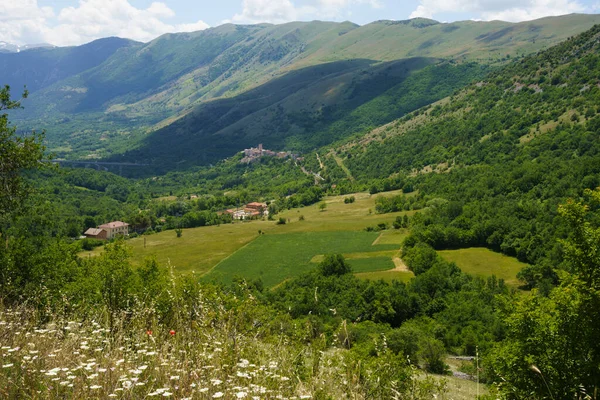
(552, 348)
(16, 155)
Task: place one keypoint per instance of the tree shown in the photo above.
(552, 349)
(322, 206)
(16, 155)
(334, 264)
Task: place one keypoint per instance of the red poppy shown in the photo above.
(172, 332)
(149, 332)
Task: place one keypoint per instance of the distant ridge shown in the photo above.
(197, 87)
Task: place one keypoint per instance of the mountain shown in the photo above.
(14, 48)
(496, 158)
(41, 67)
(142, 94)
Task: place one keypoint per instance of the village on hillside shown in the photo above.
(254, 153)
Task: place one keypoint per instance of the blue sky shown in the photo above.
(72, 22)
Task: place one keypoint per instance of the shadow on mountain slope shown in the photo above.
(304, 109)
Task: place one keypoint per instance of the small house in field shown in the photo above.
(115, 228)
(95, 233)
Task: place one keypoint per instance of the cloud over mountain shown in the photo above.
(25, 21)
(505, 10)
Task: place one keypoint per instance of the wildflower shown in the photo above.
(7, 365)
(241, 395)
(217, 395)
(149, 332)
(94, 387)
(174, 378)
(167, 394)
(172, 332)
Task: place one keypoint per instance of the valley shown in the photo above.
(424, 224)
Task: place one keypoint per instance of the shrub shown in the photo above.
(334, 264)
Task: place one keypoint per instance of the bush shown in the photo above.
(334, 264)
(349, 200)
(89, 244)
(281, 221)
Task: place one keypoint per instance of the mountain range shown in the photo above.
(6, 47)
(195, 98)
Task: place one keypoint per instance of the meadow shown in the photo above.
(198, 250)
(274, 258)
(484, 263)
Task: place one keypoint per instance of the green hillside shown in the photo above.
(109, 108)
(499, 156)
(41, 67)
(304, 109)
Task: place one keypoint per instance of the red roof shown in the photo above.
(255, 205)
(114, 224)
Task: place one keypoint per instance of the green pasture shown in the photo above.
(276, 257)
(200, 249)
(483, 262)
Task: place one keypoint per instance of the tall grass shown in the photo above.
(211, 346)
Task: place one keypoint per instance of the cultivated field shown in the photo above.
(201, 249)
(276, 257)
(484, 262)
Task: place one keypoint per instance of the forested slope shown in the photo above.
(506, 151)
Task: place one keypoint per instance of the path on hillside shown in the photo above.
(317, 177)
(341, 164)
(320, 162)
(400, 266)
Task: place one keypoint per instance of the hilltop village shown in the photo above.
(254, 153)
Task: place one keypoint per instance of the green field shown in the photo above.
(484, 262)
(201, 249)
(274, 258)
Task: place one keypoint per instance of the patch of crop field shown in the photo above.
(355, 256)
(371, 264)
(388, 276)
(274, 258)
(200, 249)
(483, 262)
(392, 236)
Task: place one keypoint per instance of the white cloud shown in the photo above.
(280, 11)
(274, 11)
(506, 10)
(23, 21)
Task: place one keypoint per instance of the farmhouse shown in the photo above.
(95, 233)
(250, 211)
(115, 228)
